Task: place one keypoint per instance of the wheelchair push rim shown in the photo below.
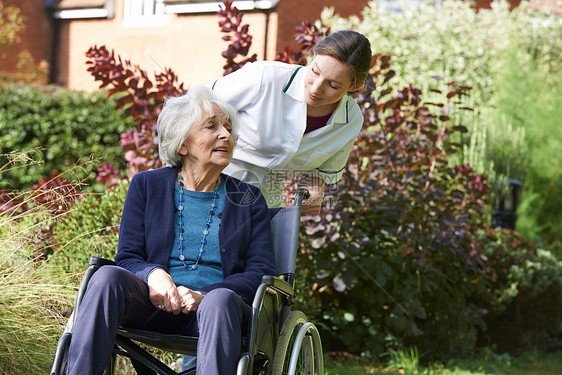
(299, 349)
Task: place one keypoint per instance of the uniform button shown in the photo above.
(223, 250)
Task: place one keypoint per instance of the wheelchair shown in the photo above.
(279, 340)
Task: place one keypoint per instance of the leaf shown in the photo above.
(388, 75)
(440, 105)
(460, 128)
(348, 317)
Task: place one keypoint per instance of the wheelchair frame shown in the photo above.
(279, 340)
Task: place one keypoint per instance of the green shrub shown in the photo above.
(403, 258)
(68, 126)
(516, 136)
(456, 41)
(533, 104)
(396, 258)
(89, 228)
(524, 298)
(511, 59)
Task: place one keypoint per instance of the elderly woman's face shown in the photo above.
(209, 143)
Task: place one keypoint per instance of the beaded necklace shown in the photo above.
(192, 267)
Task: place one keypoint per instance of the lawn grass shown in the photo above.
(484, 363)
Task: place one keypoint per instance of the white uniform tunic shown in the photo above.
(269, 98)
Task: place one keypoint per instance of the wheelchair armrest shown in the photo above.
(278, 284)
(97, 261)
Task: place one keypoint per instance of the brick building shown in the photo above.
(180, 34)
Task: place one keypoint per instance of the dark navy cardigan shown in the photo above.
(147, 232)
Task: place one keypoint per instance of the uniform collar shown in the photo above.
(342, 111)
(295, 85)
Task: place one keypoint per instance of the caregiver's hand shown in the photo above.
(313, 204)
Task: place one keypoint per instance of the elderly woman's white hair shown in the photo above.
(180, 113)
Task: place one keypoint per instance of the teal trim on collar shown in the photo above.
(291, 80)
(214, 83)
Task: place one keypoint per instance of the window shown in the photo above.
(83, 9)
(397, 5)
(137, 13)
(212, 6)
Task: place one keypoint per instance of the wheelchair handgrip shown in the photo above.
(301, 195)
(98, 261)
(278, 284)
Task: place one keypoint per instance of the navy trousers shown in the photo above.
(117, 297)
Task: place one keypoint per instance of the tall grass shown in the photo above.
(36, 291)
(30, 313)
(31, 303)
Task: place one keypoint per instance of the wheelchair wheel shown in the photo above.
(299, 350)
(243, 364)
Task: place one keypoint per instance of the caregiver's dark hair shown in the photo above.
(351, 48)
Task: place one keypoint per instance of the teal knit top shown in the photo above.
(197, 205)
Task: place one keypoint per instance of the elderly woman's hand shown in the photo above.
(190, 299)
(163, 292)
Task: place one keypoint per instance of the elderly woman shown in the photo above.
(193, 246)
